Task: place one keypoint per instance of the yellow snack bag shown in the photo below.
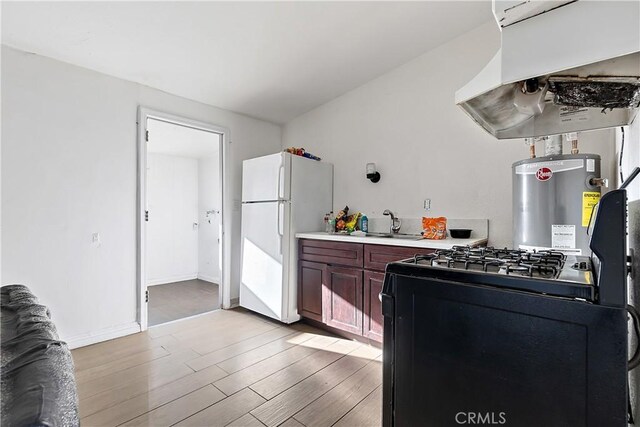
(434, 228)
(352, 221)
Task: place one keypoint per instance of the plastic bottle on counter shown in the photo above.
(364, 223)
(331, 223)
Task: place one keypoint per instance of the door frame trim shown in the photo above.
(224, 293)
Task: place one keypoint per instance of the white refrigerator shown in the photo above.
(282, 194)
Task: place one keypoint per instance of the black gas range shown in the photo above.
(499, 336)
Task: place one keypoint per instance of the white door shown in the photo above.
(262, 281)
(266, 178)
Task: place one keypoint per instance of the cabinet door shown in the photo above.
(373, 321)
(342, 299)
(310, 278)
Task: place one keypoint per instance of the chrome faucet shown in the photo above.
(395, 222)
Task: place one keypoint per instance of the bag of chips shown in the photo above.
(351, 222)
(434, 228)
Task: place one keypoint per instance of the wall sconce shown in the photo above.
(372, 174)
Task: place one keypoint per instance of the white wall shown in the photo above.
(172, 200)
(209, 230)
(425, 146)
(69, 170)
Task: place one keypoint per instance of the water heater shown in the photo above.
(553, 198)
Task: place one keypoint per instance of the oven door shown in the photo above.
(458, 353)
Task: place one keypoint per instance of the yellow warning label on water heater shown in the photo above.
(589, 200)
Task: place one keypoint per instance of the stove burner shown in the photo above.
(545, 264)
(530, 269)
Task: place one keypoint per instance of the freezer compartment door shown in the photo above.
(266, 178)
(264, 277)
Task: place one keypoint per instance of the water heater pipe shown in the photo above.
(573, 138)
(532, 147)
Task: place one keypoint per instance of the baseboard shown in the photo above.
(103, 335)
(235, 302)
(209, 279)
(166, 280)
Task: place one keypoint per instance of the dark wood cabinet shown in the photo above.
(342, 299)
(339, 283)
(311, 279)
(372, 319)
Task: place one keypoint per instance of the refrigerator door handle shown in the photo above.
(280, 205)
(280, 228)
(280, 174)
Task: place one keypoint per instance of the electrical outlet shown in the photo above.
(427, 204)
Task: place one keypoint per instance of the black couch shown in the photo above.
(38, 382)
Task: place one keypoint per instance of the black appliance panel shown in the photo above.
(607, 231)
(539, 360)
(553, 287)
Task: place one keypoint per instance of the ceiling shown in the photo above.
(175, 140)
(269, 60)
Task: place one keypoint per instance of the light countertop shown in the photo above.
(410, 242)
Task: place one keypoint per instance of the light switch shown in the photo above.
(95, 239)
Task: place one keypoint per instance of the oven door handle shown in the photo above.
(386, 297)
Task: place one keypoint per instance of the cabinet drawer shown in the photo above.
(376, 257)
(334, 253)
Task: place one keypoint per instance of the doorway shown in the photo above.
(181, 232)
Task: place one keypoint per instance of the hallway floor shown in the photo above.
(178, 300)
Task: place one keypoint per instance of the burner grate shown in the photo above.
(545, 264)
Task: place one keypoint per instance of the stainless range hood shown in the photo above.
(563, 66)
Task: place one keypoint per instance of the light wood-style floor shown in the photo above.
(177, 300)
(229, 368)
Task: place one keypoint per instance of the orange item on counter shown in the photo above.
(434, 228)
